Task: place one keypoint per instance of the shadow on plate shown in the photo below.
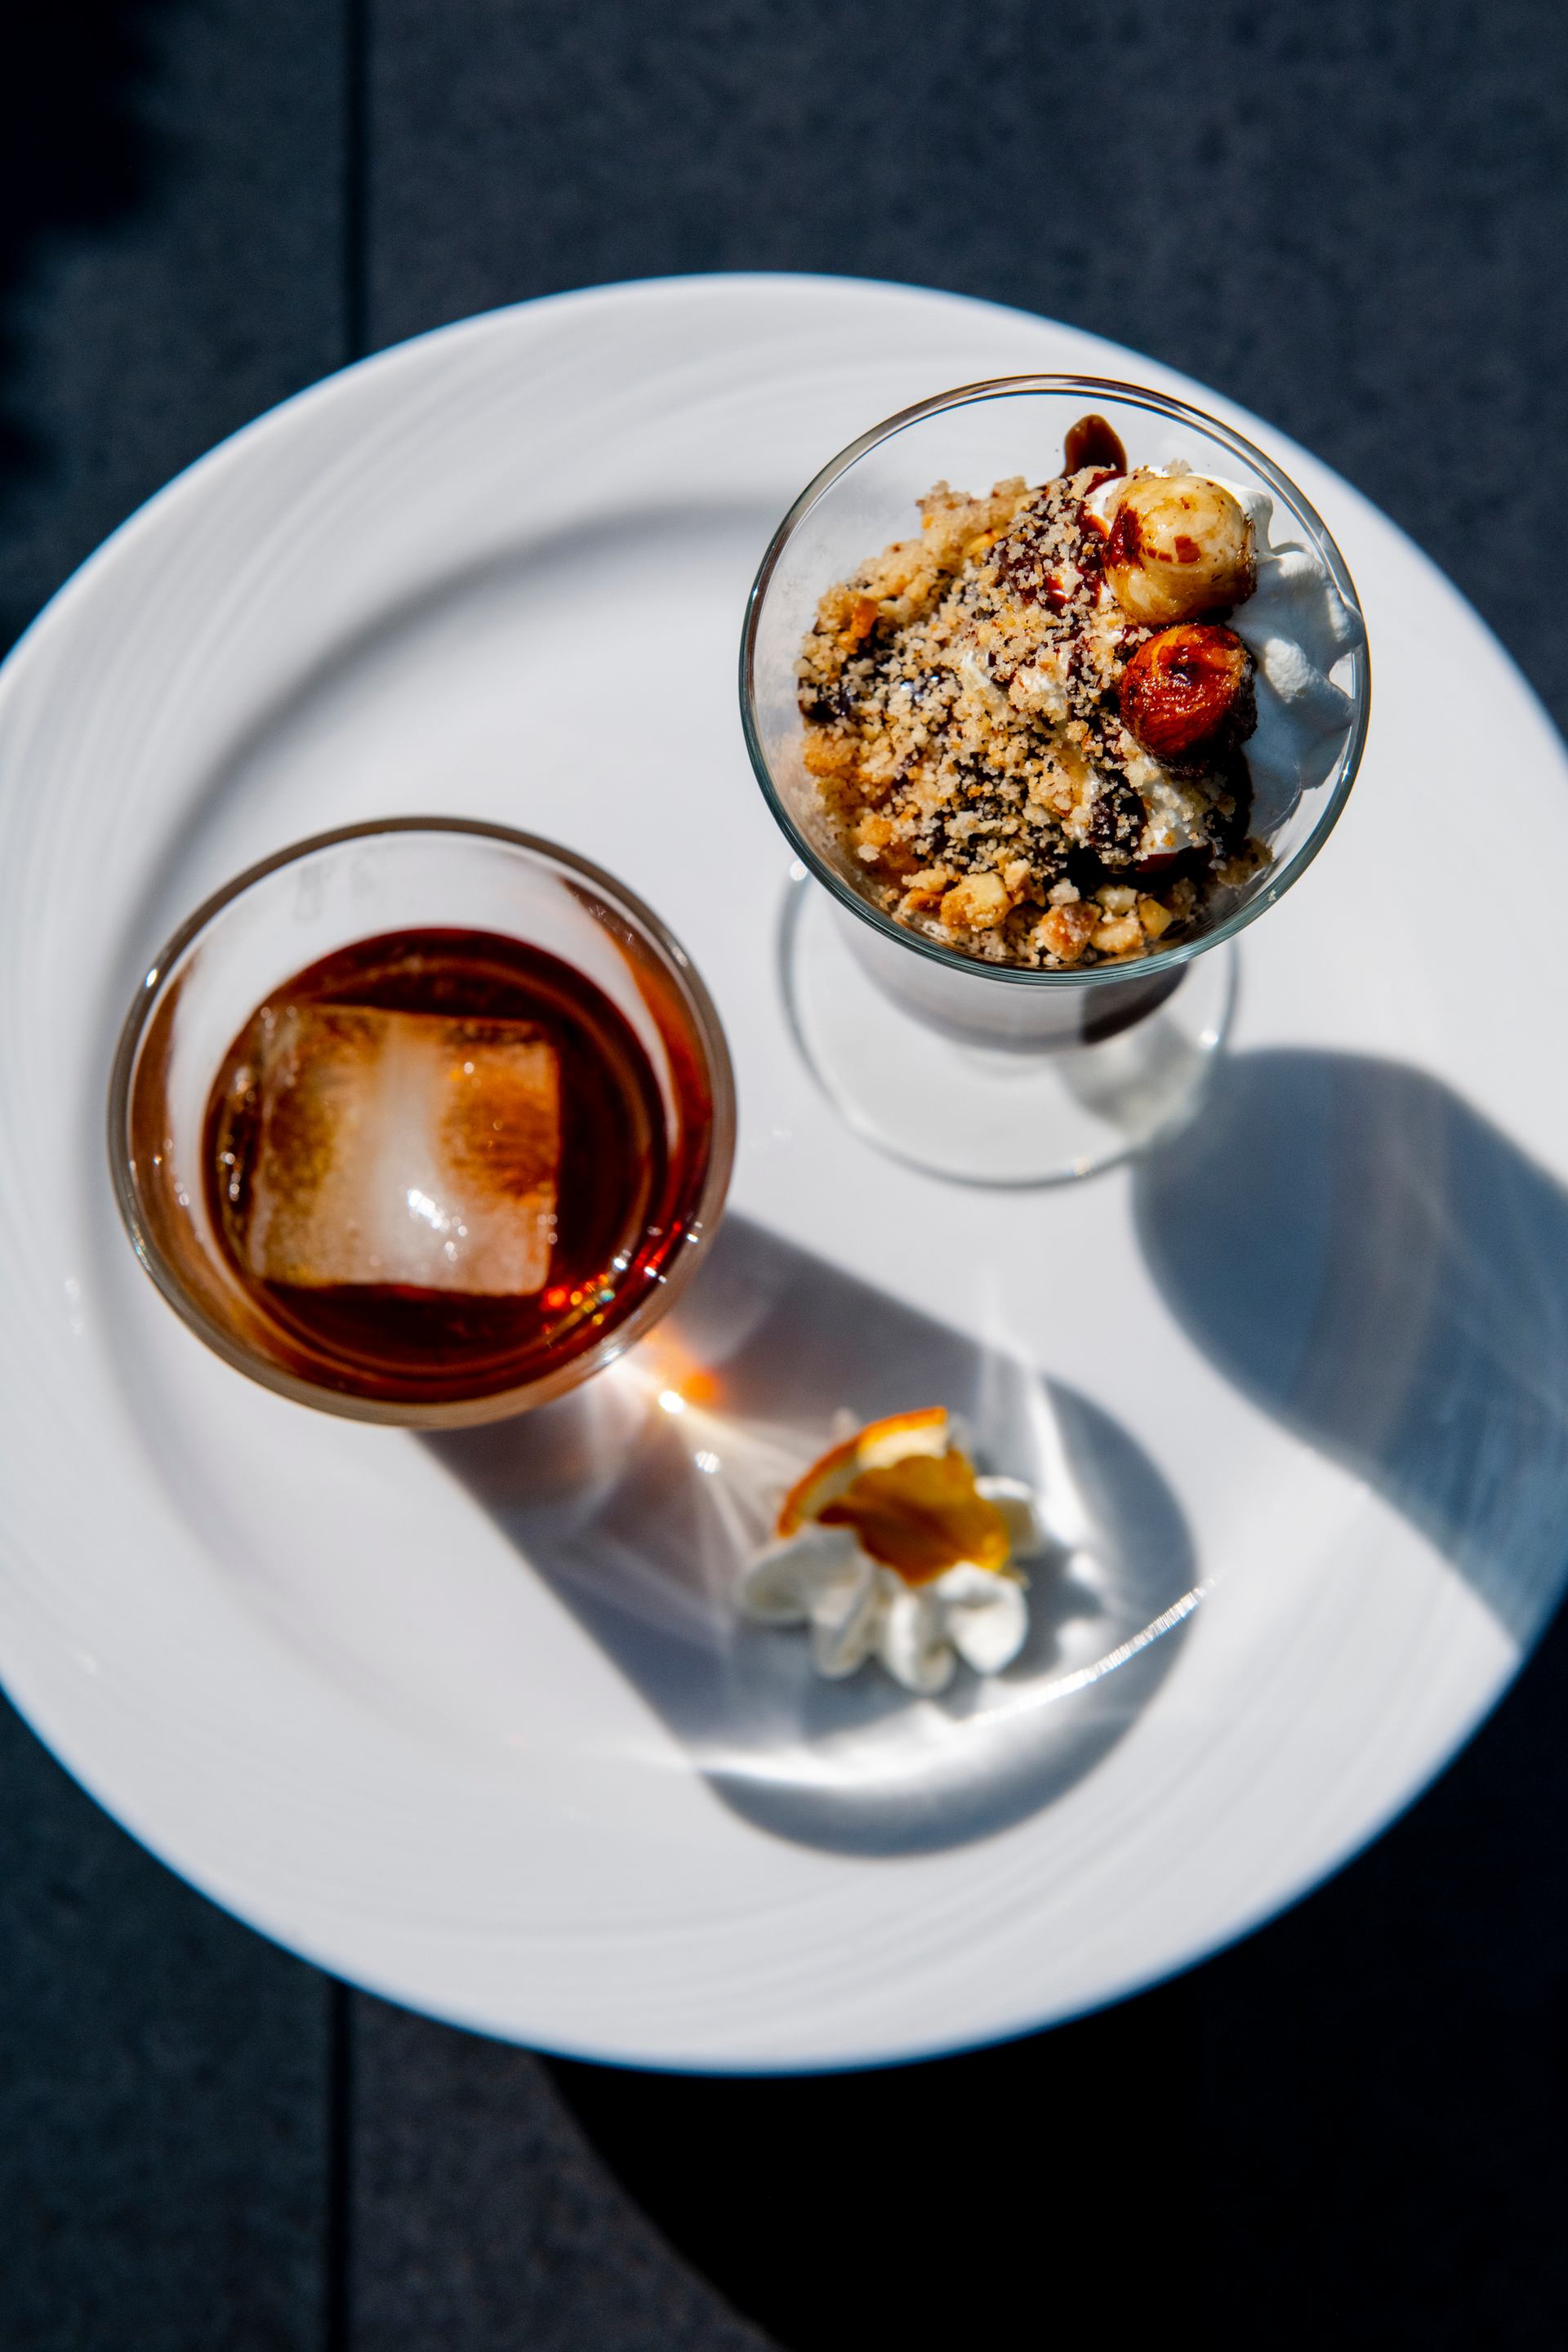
(1383, 1270)
(637, 1503)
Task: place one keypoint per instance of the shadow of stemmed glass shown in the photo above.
(637, 1498)
(1387, 1274)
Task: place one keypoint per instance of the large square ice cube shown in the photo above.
(404, 1147)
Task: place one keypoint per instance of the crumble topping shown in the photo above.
(1020, 761)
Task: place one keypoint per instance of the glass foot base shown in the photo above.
(982, 1115)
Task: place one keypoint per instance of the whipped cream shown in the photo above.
(856, 1608)
(1296, 626)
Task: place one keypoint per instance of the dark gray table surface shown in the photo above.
(1352, 2127)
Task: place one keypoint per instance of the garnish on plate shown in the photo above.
(892, 1547)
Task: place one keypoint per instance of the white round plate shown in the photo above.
(465, 1723)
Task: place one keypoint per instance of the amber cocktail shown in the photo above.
(422, 1122)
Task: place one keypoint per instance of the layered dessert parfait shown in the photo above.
(1058, 726)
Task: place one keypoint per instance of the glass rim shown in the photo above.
(1130, 396)
(454, 1412)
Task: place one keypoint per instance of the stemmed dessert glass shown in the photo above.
(991, 1073)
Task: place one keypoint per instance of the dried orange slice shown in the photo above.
(922, 1515)
(908, 1494)
(871, 1448)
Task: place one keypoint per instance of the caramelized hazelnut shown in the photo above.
(1187, 696)
(1179, 546)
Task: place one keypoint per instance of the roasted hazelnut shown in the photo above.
(1179, 546)
(1187, 696)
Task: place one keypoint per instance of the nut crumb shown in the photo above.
(1067, 931)
(976, 904)
(1118, 935)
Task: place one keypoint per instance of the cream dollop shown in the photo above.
(856, 1607)
(1297, 628)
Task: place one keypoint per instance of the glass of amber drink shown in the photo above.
(422, 1121)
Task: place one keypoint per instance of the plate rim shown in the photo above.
(187, 484)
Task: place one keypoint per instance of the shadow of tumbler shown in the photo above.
(640, 1519)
